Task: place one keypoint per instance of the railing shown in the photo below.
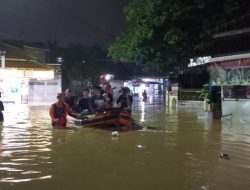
(190, 94)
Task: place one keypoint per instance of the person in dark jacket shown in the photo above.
(70, 99)
(144, 96)
(83, 104)
(125, 99)
(98, 103)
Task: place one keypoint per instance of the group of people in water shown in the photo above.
(101, 98)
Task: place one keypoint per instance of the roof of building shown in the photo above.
(230, 38)
(230, 57)
(16, 57)
(30, 65)
(13, 51)
(242, 56)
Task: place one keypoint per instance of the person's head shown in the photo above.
(125, 90)
(85, 92)
(102, 79)
(97, 91)
(60, 97)
(68, 92)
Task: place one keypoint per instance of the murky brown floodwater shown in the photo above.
(176, 150)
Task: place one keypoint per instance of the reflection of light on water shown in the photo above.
(10, 179)
(23, 146)
(31, 172)
(142, 112)
(140, 146)
(9, 169)
(150, 99)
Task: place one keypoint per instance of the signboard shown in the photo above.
(235, 72)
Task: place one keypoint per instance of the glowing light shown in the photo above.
(142, 86)
(108, 77)
(59, 59)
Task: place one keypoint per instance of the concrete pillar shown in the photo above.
(2, 55)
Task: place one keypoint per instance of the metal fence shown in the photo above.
(190, 94)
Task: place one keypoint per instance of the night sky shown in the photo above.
(89, 22)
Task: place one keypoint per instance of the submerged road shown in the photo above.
(177, 149)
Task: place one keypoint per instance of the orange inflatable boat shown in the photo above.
(109, 119)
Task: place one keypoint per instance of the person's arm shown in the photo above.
(105, 102)
(119, 99)
(131, 99)
(128, 100)
(1, 106)
(75, 100)
(91, 107)
(69, 112)
(52, 113)
(79, 105)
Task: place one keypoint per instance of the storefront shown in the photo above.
(15, 83)
(155, 87)
(24, 77)
(232, 75)
(229, 81)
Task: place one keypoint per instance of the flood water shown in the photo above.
(177, 149)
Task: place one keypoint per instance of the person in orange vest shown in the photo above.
(58, 112)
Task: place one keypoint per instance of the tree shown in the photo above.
(164, 34)
(79, 62)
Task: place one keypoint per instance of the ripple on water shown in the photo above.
(184, 153)
(25, 148)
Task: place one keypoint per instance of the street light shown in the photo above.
(60, 61)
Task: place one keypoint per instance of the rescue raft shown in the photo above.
(109, 119)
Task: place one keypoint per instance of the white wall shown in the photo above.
(42, 92)
(240, 109)
(118, 84)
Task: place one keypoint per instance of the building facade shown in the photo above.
(25, 80)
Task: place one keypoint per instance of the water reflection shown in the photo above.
(25, 148)
(176, 149)
(142, 112)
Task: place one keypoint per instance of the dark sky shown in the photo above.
(68, 21)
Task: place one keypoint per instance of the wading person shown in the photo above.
(144, 96)
(59, 111)
(1, 109)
